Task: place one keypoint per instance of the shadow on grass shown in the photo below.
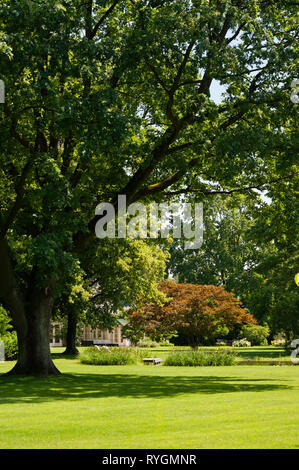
(81, 386)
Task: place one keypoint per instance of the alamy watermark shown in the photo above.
(139, 221)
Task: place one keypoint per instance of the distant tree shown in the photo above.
(276, 232)
(250, 248)
(120, 273)
(229, 252)
(256, 334)
(8, 336)
(4, 322)
(199, 312)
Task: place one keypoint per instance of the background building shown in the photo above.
(91, 335)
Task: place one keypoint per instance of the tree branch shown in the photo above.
(18, 202)
(95, 29)
(259, 187)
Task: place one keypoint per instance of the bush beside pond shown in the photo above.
(200, 358)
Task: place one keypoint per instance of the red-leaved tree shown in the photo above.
(199, 312)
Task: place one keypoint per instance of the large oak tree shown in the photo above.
(113, 97)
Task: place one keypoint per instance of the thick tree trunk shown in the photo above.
(71, 334)
(34, 357)
(31, 317)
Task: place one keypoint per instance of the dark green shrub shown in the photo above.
(4, 322)
(147, 343)
(10, 341)
(257, 335)
(200, 358)
(166, 343)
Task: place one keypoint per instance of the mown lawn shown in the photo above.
(151, 407)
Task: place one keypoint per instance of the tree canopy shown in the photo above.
(250, 248)
(199, 312)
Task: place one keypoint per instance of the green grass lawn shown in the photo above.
(151, 407)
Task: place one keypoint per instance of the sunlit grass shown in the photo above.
(151, 407)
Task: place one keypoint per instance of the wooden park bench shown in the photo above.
(156, 361)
